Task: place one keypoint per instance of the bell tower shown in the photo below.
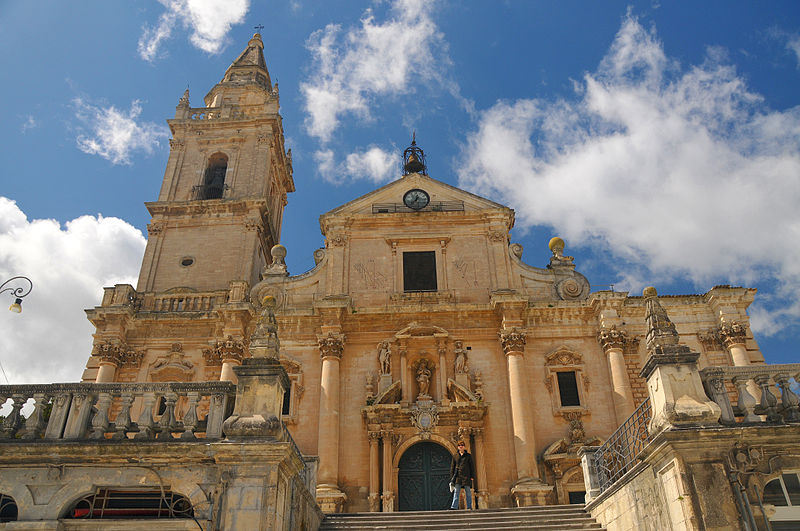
(221, 203)
(218, 215)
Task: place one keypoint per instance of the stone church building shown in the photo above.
(420, 324)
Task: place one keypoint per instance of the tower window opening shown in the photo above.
(214, 179)
(419, 271)
(287, 402)
(568, 389)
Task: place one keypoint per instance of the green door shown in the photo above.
(423, 478)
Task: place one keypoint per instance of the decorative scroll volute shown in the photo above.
(331, 346)
(512, 340)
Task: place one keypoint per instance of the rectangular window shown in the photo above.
(287, 402)
(419, 271)
(568, 389)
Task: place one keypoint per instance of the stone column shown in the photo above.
(613, 342)
(480, 469)
(388, 494)
(374, 472)
(441, 343)
(329, 496)
(733, 336)
(405, 392)
(528, 489)
(231, 352)
(106, 372)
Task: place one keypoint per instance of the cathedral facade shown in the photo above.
(420, 324)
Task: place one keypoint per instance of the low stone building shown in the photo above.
(420, 325)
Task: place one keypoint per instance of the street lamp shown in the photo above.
(17, 292)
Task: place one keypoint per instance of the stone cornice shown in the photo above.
(206, 207)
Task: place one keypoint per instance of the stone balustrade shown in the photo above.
(772, 381)
(75, 411)
(184, 302)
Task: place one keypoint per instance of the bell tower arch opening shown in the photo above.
(214, 179)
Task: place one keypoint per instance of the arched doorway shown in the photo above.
(423, 477)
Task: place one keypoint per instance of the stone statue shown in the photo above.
(424, 374)
(385, 357)
(461, 358)
(556, 246)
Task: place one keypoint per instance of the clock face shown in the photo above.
(416, 199)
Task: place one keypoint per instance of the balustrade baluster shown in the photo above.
(145, 423)
(190, 418)
(122, 424)
(216, 415)
(167, 422)
(768, 404)
(745, 402)
(100, 421)
(13, 421)
(715, 387)
(789, 400)
(58, 416)
(35, 424)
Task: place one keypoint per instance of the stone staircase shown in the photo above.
(548, 517)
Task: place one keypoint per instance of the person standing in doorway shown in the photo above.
(461, 473)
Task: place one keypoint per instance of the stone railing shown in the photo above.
(768, 381)
(183, 302)
(163, 411)
(205, 113)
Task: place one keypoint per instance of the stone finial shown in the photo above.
(184, 101)
(611, 338)
(556, 246)
(512, 340)
(278, 265)
(264, 341)
(662, 337)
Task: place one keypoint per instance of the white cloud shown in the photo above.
(29, 123)
(374, 164)
(793, 45)
(116, 133)
(680, 172)
(386, 58)
(209, 21)
(50, 341)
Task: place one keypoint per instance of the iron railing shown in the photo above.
(620, 452)
(433, 206)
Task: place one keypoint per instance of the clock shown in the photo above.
(416, 199)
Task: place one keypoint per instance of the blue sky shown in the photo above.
(661, 140)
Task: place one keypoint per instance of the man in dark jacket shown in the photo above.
(461, 473)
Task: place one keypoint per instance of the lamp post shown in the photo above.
(17, 292)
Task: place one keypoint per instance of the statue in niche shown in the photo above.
(424, 373)
(461, 358)
(385, 357)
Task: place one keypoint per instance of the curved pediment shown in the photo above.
(563, 356)
(415, 329)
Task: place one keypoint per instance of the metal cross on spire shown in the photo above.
(259, 27)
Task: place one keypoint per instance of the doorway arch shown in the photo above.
(422, 478)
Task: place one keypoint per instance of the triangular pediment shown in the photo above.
(443, 197)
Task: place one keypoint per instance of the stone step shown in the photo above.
(551, 517)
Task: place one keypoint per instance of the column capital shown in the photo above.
(331, 345)
(732, 332)
(228, 350)
(512, 340)
(612, 338)
(117, 354)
